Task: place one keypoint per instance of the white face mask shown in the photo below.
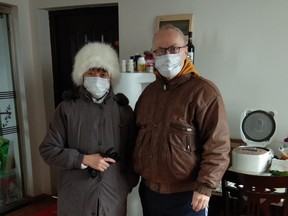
(97, 86)
(168, 65)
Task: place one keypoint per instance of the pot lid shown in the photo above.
(257, 127)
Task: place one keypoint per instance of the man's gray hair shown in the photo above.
(167, 27)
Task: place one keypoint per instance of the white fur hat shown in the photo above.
(99, 55)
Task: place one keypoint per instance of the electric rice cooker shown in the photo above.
(257, 129)
(251, 160)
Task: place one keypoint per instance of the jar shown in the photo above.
(130, 66)
(150, 67)
(123, 66)
(141, 64)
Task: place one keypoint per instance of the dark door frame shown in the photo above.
(70, 29)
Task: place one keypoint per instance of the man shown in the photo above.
(182, 148)
(90, 139)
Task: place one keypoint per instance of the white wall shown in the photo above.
(241, 45)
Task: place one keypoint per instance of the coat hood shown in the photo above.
(98, 55)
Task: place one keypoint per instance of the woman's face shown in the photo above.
(97, 72)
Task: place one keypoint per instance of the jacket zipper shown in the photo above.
(187, 129)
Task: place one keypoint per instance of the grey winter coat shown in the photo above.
(82, 127)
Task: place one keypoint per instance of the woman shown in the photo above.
(90, 139)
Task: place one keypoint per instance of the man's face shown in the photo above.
(170, 38)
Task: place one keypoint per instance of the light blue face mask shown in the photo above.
(97, 86)
(168, 65)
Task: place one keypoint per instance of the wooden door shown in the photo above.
(70, 30)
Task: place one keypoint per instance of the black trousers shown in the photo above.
(177, 204)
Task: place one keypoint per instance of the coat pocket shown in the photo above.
(183, 150)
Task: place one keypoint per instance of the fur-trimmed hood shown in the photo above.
(98, 55)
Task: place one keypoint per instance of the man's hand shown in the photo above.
(199, 201)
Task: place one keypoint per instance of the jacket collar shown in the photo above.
(173, 83)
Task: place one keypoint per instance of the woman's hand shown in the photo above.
(96, 161)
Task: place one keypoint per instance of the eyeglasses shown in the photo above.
(171, 50)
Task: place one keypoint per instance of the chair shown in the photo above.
(252, 195)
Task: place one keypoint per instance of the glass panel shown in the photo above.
(10, 165)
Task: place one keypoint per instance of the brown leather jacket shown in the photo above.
(183, 141)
